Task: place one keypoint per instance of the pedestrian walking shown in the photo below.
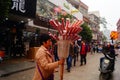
(91, 48)
(69, 58)
(83, 53)
(95, 48)
(45, 64)
(76, 52)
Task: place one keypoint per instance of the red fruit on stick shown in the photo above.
(56, 37)
(59, 26)
(56, 20)
(72, 27)
(76, 25)
(76, 38)
(77, 30)
(67, 31)
(70, 30)
(73, 36)
(52, 36)
(67, 23)
(60, 29)
(78, 22)
(70, 36)
(63, 24)
(54, 25)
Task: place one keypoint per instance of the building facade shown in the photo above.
(83, 8)
(118, 29)
(11, 31)
(91, 18)
(95, 26)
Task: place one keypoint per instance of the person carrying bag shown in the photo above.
(45, 61)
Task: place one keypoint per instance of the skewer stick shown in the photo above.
(62, 70)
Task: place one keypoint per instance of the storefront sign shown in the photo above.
(26, 8)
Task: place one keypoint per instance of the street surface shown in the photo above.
(86, 72)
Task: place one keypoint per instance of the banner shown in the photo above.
(25, 8)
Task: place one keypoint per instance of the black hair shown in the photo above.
(43, 38)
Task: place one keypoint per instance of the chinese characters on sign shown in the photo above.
(24, 8)
(19, 5)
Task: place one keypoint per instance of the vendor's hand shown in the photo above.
(61, 61)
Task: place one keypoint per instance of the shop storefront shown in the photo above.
(11, 31)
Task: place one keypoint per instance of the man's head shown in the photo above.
(45, 40)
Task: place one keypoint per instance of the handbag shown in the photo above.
(51, 77)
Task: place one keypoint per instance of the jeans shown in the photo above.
(69, 62)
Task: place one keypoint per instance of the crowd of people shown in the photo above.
(75, 51)
(47, 59)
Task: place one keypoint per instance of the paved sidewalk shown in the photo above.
(16, 66)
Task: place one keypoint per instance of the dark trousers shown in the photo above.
(83, 58)
(74, 59)
(77, 55)
(69, 62)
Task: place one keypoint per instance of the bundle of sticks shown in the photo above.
(67, 30)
